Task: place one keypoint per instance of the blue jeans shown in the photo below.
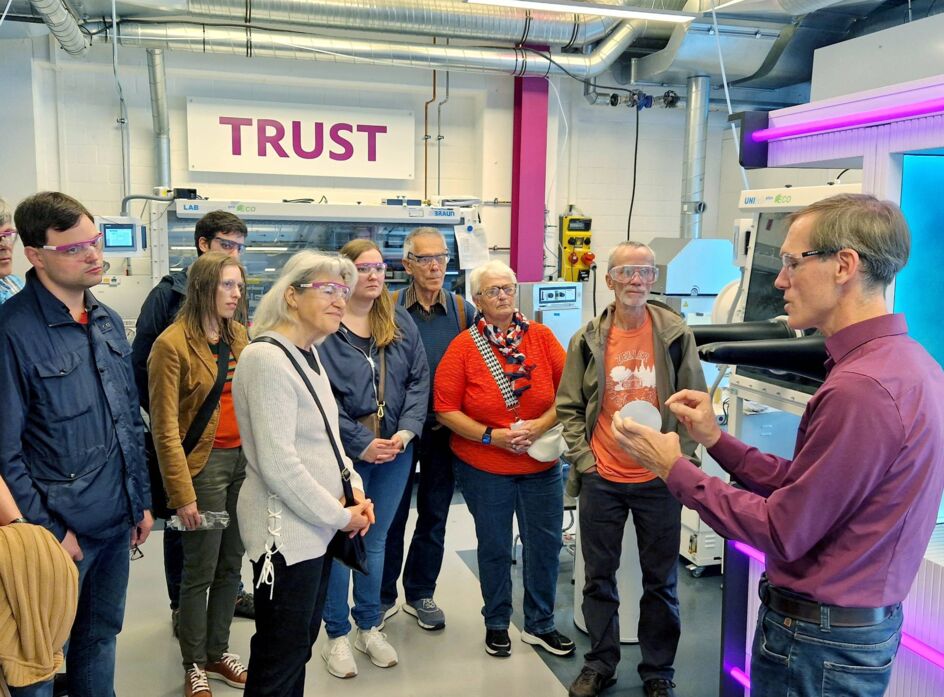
(604, 508)
(433, 498)
(38, 689)
(538, 502)
(793, 658)
(383, 484)
(103, 585)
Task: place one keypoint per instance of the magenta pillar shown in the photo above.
(528, 174)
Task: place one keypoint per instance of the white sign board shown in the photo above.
(225, 135)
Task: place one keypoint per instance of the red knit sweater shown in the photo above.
(464, 383)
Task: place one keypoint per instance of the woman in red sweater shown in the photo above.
(492, 429)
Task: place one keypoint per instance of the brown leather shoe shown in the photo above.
(195, 683)
(229, 670)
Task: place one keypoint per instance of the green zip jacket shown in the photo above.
(578, 397)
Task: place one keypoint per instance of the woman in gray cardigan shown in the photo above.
(291, 503)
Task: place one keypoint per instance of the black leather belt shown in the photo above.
(791, 605)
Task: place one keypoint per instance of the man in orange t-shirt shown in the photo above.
(636, 350)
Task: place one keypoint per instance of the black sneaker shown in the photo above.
(658, 687)
(553, 642)
(589, 683)
(245, 606)
(497, 643)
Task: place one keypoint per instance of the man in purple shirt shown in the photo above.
(844, 524)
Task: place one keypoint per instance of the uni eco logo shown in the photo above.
(242, 208)
(750, 200)
(782, 198)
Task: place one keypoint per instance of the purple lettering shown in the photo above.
(236, 123)
(297, 141)
(371, 132)
(264, 138)
(336, 137)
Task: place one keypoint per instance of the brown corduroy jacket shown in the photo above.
(181, 373)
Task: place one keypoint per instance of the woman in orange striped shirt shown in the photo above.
(494, 420)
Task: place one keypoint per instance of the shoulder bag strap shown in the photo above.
(504, 384)
(460, 311)
(345, 472)
(200, 421)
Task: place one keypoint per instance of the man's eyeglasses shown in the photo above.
(228, 245)
(428, 259)
(328, 289)
(625, 273)
(791, 261)
(368, 269)
(136, 553)
(230, 286)
(8, 237)
(494, 291)
(77, 249)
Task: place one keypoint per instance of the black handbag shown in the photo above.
(350, 551)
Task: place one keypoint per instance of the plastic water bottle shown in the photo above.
(209, 520)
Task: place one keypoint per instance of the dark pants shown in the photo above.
(287, 625)
(103, 586)
(212, 560)
(604, 507)
(433, 498)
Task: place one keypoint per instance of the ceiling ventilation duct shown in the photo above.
(441, 18)
(62, 24)
(263, 43)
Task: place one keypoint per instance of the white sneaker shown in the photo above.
(374, 643)
(338, 656)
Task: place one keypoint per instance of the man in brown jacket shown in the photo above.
(637, 350)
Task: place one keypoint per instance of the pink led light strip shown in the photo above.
(916, 646)
(838, 123)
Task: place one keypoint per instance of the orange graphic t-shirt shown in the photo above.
(630, 375)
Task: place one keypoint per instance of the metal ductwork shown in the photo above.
(263, 43)
(62, 24)
(695, 151)
(441, 18)
(157, 80)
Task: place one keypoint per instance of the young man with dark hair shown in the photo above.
(217, 231)
(71, 445)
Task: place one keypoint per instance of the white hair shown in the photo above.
(303, 267)
(629, 244)
(6, 214)
(420, 232)
(493, 268)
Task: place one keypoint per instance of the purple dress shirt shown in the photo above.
(848, 520)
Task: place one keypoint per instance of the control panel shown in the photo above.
(576, 257)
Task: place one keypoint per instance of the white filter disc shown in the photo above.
(642, 412)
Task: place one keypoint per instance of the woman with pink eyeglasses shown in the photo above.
(9, 284)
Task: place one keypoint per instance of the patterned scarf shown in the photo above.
(507, 342)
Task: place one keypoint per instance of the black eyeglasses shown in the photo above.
(791, 261)
(136, 553)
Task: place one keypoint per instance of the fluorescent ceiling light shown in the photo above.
(590, 8)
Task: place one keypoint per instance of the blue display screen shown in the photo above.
(919, 287)
(119, 236)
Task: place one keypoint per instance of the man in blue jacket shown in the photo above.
(440, 316)
(71, 436)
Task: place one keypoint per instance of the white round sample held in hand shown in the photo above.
(642, 412)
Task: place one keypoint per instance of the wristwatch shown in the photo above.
(487, 436)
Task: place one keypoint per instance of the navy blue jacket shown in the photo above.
(71, 435)
(406, 393)
(157, 314)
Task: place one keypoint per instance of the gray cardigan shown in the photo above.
(291, 466)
